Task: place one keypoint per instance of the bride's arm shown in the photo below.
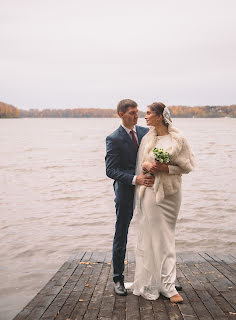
(184, 163)
(176, 170)
(168, 168)
(156, 166)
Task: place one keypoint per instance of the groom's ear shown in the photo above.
(121, 114)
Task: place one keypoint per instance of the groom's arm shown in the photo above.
(113, 159)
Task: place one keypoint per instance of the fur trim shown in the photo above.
(182, 156)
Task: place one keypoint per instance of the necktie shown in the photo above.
(134, 139)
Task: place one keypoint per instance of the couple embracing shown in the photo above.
(152, 189)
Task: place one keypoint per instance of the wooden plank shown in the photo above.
(108, 258)
(132, 307)
(211, 279)
(108, 298)
(93, 290)
(83, 289)
(85, 292)
(201, 311)
(28, 308)
(211, 289)
(190, 257)
(224, 268)
(230, 296)
(36, 307)
(186, 309)
(59, 306)
(159, 309)
(147, 314)
(76, 291)
(145, 306)
(226, 307)
(98, 257)
(99, 288)
(178, 258)
(196, 303)
(207, 300)
(218, 279)
(76, 257)
(38, 311)
(233, 256)
(173, 310)
(223, 284)
(211, 305)
(227, 259)
(74, 287)
(119, 311)
(87, 256)
(209, 271)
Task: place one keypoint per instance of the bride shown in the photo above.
(157, 207)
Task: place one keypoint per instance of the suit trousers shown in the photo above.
(124, 195)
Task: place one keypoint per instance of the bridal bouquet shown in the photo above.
(161, 155)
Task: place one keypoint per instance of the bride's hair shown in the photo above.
(158, 108)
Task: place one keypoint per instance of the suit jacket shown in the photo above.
(121, 155)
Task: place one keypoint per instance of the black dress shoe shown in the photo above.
(119, 288)
(178, 288)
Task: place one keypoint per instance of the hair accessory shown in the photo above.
(166, 115)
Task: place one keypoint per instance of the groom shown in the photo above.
(121, 153)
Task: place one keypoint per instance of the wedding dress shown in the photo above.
(155, 218)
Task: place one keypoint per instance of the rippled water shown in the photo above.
(55, 198)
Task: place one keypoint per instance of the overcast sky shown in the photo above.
(73, 53)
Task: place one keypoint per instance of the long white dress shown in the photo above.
(155, 271)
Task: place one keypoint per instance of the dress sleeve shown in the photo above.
(176, 170)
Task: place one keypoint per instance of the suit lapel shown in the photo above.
(126, 137)
(139, 134)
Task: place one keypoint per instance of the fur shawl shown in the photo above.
(182, 156)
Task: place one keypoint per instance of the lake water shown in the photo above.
(56, 200)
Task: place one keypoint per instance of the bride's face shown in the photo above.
(152, 118)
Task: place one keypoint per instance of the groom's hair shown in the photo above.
(124, 104)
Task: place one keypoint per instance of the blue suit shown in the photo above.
(120, 165)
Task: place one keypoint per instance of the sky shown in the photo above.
(92, 54)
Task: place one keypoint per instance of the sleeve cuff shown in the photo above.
(134, 180)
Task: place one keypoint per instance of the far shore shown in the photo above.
(8, 111)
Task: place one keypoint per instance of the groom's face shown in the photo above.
(130, 117)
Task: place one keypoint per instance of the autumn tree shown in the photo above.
(8, 111)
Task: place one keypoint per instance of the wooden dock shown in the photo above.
(83, 289)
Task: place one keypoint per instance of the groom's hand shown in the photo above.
(145, 180)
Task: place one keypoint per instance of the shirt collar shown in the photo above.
(128, 130)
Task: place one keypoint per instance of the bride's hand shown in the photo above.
(161, 167)
(150, 167)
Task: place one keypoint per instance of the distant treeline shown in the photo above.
(68, 113)
(203, 112)
(9, 111)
